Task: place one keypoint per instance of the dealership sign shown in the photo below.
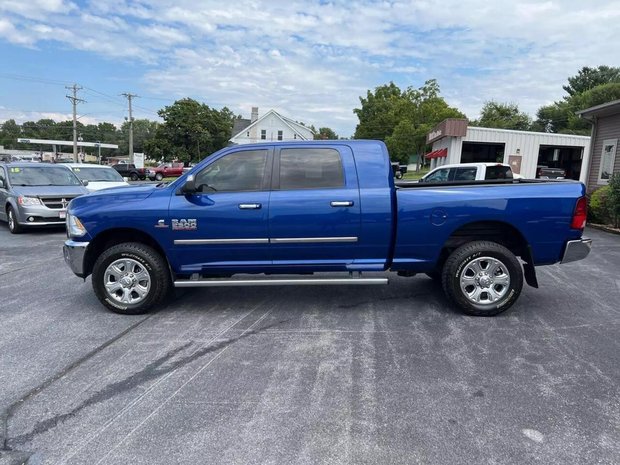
(454, 127)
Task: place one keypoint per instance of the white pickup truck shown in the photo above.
(469, 172)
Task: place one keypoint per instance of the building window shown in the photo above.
(608, 157)
(279, 135)
(263, 134)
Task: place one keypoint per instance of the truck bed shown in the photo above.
(428, 214)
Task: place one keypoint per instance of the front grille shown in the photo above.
(56, 203)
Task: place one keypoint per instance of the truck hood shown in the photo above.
(122, 194)
(49, 191)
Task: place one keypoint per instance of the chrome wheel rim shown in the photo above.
(127, 281)
(485, 281)
(11, 220)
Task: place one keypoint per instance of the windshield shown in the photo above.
(97, 174)
(42, 176)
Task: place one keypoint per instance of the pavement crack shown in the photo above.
(8, 413)
(152, 371)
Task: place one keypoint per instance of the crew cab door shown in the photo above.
(224, 226)
(314, 211)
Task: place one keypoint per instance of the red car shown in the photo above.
(165, 170)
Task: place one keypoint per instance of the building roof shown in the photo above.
(240, 124)
(295, 126)
(605, 109)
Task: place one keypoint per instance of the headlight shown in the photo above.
(75, 228)
(28, 201)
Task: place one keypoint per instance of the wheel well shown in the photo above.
(112, 237)
(494, 231)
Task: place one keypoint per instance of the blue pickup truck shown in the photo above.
(272, 210)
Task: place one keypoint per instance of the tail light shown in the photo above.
(580, 214)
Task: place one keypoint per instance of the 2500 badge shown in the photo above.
(189, 224)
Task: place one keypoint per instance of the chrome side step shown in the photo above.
(278, 282)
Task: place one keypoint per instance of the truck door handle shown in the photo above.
(249, 206)
(344, 203)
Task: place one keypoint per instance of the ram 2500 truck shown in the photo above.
(272, 210)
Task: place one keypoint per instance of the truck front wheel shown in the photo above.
(483, 278)
(130, 278)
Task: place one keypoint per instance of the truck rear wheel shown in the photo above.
(483, 278)
(130, 278)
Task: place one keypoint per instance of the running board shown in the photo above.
(278, 282)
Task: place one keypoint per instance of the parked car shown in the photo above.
(469, 172)
(301, 208)
(165, 170)
(97, 177)
(399, 170)
(130, 171)
(36, 194)
(545, 172)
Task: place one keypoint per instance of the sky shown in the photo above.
(309, 60)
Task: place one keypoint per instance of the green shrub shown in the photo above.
(599, 206)
(613, 199)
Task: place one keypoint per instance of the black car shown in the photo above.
(130, 171)
(546, 172)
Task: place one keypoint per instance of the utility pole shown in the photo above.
(74, 100)
(129, 97)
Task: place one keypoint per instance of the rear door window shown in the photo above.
(498, 172)
(310, 168)
(465, 174)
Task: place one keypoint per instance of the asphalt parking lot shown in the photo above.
(308, 375)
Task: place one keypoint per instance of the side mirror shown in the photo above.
(190, 185)
(85, 182)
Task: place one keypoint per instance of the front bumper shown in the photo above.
(74, 253)
(39, 215)
(576, 250)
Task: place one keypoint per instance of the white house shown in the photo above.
(272, 126)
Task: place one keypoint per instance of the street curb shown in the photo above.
(602, 227)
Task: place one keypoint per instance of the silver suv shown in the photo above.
(35, 194)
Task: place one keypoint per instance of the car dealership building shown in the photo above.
(453, 141)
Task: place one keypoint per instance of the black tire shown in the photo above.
(146, 257)
(11, 217)
(398, 175)
(159, 176)
(134, 176)
(457, 265)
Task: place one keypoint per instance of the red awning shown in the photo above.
(437, 154)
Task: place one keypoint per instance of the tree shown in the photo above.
(588, 78)
(402, 118)
(590, 87)
(9, 132)
(325, 134)
(190, 129)
(376, 115)
(503, 116)
(143, 131)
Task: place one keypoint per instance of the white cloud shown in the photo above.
(312, 60)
